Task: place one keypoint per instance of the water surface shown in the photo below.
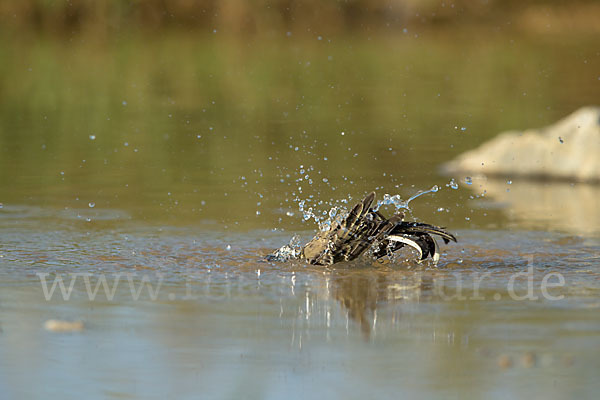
(171, 167)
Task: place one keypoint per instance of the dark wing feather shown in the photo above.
(358, 212)
(347, 240)
(413, 233)
(418, 227)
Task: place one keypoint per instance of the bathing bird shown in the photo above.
(365, 228)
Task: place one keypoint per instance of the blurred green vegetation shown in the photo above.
(197, 110)
(216, 128)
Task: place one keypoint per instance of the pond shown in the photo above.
(142, 182)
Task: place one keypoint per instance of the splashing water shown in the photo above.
(452, 184)
(334, 216)
(287, 252)
(434, 189)
(337, 213)
(307, 212)
(397, 201)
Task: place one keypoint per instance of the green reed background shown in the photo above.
(180, 123)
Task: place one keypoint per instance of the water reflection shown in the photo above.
(190, 151)
(560, 206)
(177, 141)
(224, 321)
(362, 292)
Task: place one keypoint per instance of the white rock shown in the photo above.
(567, 150)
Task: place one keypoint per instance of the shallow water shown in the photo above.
(218, 319)
(171, 177)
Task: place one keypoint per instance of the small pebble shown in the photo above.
(505, 361)
(529, 359)
(56, 325)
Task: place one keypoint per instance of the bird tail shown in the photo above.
(411, 228)
(418, 236)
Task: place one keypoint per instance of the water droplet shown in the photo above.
(228, 247)
(343, 133)
(124, 103)
(452, 184)
(468, 180)
(91, 204)
(92, 137)
(509, 182)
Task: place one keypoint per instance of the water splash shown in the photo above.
(452, 184)
(287, 252)
(397, 201)
(307, 212)
(335, 216)
(434, 189)
(338, 211)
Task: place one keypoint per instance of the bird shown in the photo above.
(363, 228)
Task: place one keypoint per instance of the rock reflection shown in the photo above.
(563, 206)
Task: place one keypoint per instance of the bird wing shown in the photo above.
(350, 238)
(364, 227)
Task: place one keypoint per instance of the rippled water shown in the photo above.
(215, 318)
(171, 178)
